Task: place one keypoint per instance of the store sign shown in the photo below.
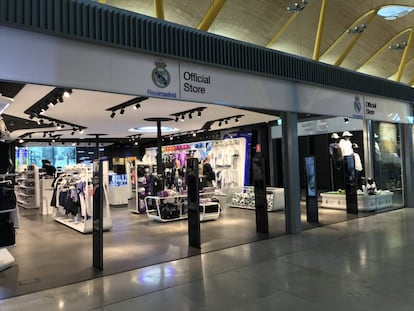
(215, 85)
(195, 82)
(382, 109)
(161, 79)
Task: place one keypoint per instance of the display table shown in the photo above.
(366, 203)
(173, 208)
(243, 197)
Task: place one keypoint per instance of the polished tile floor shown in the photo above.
(359, 264)
(49, 254)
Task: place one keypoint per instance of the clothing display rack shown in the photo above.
(73, 198)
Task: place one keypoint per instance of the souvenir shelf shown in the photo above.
(28, 188)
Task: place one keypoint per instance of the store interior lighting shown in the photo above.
(226, 120)
(346, 120)
(135, 102)
(189, 113)
(48, 101)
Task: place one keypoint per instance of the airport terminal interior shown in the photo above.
(66, 151)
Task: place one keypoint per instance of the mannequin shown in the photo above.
(336, 158)
(358, 166)
(346, 144)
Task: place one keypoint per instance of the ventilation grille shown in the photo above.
(91, 21)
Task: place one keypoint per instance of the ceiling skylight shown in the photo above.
(392, 12)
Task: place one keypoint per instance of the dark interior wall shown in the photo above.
(317, 146)
(6, 158)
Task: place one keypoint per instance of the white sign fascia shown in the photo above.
(313, 99)
(388, 110)
(231, 88)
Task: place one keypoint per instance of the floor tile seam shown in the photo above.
(387, 264)
(155, 291)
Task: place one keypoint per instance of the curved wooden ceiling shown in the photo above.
(269, 23)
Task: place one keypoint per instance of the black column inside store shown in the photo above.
(259, 180)
(194, 235)
(97, 224)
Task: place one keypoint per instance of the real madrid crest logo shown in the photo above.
(160, 75)
(357, 105)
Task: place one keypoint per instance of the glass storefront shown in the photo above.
(387, 159)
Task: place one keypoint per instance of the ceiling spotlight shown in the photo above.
(59, 127)
(21, 141)
(176, 118)
(44, 134)
(81, 131)
(122, 111)
(50, 143)
(113, 114)
(199, 114)
(73, 144)
(53, 140)
(237, 120)
(190, 115)
(136, 143)
(137, 106)
(226, 121)
(72, 133)
(220, 123)
(67, 93)
(60, 98)
(171, 138)
(357, 29)
(398, 46)
(297, 6)
(194, 134)
(51, 104)
(346, 120)
(31, 116)
(182, 118)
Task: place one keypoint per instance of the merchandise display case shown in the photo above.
(243, 197)
(366, 202)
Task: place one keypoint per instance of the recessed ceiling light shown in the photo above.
(153, 129)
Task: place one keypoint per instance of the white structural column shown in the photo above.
(291, 172)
